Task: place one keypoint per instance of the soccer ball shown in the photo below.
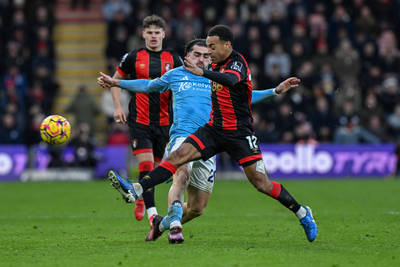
(55, 130)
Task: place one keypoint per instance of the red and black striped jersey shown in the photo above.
(231, 94)
(152, 108)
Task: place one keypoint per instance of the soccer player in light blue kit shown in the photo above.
(191, 102)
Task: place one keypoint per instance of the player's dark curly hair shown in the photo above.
(154, 20)
(189, 45)
(223, 32)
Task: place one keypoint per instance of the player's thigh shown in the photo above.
(141, 141)
(242, 148)
(202, 175)
(160, 138)
(178, 152)
(206, 141)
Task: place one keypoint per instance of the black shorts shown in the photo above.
(241, 146)
(151, 139)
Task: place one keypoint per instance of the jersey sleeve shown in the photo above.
(146, 86)
(238, 68)
(126, 65)
(234, 73)
(259, 95)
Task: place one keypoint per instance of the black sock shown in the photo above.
(148, 195)
(282, 195)
(157, 176)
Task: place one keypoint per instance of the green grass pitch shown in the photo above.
(87, 224)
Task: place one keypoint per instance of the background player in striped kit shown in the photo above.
(149, 115)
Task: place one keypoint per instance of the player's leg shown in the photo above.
(145, 165)
(160, 137)
(179, 183)
(142, 148)
(175, 199)
(258, 177)
(196, 203)
(200, 188)
(245, 150)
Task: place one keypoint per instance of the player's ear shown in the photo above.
(163, 34)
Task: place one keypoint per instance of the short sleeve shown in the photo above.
(237, 67)
(126, 64)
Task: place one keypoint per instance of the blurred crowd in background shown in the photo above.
(345, 52)
(27, 66)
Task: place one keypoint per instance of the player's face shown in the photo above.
(153, 37)
(219, 50)
(200, 56)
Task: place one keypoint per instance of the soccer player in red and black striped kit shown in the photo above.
(230, 129)
(149, 115)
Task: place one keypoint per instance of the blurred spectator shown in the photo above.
(117, 45)
(265, 130)
(278, 57)
(107, 104)
(9, 132)
(285, 121)
(352, 133)
(272, 6)
(366, 22)
(84, 146)
(317, 22)
(119, 134)
(185, 5)
(83, 3)
(304, 133)
(390, 55)
(394, 122)
(370, 108)
(376, 127)
(298, 56)
(327, 79)
(347, 62)
(83, 108)
(390, 95)
(322, 118)
(113, 8)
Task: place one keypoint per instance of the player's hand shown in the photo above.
(106, 81)
(287, 84)
(193, 68)
(119, 115)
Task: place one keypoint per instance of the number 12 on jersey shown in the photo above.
(252, 141)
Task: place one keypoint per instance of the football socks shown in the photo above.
(282, 195)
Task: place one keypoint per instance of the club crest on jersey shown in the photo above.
(236, 65)
(142, 66)
(134, 143)
(216, 86)
(167, 66)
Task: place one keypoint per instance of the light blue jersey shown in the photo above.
(191, 98)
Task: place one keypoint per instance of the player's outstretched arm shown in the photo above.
(282, 88)
(139, 86)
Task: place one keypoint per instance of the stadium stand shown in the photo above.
(345, 52)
